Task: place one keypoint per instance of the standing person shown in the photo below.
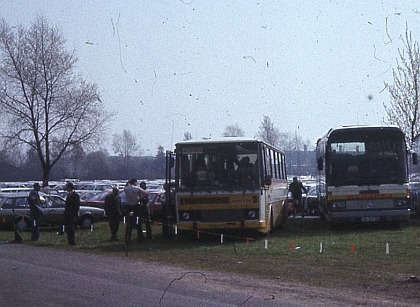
(71, 212)
(144, 204)
(296, 188)
(133, 194)
(112, 208)
(168, 209)
(35, 211)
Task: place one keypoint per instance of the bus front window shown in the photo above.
(368, 162)
(229, 167)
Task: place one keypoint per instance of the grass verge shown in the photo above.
(371, 257)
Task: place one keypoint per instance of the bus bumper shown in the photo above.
(259, 225)
(398, 215)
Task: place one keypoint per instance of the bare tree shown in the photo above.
(405, 91)
(47, 107)
(290, 141)
(267, 132)
(125, 144)
(187, 136)
(233, 130)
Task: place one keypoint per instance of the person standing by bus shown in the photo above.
(145, 210)
(112, 208)
(296, 188)
(133, 195)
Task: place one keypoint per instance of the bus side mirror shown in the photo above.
(267, 180)
(320, 163)
(415, 158)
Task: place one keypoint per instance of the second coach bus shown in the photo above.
(230, 183)
(363, 174)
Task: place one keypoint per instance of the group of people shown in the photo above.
(71, 212)
(137, 207)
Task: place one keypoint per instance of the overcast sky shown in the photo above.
(168, 67)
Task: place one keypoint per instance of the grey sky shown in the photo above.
(167, 67)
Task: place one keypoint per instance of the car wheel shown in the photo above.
(22, 225)
(86, 222)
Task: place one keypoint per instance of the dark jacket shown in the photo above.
(72, 207)
(112, 206)
(296, 189)
(34, 205)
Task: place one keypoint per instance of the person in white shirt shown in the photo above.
(133, 195)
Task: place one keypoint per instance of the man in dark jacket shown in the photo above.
(112, 208)
(71, 212)
(34, 203)
(296, 188)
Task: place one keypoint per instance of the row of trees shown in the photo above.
(50, 114)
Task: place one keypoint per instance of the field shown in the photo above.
(379, 258)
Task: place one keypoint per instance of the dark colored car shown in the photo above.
(310, 201)
(94, 199)
(14, 207)
(155, 204)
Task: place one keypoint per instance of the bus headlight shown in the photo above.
(339, 205)
(252, 214)
(400, 203)
(186, 216)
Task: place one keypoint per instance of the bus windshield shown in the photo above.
(228, 166)
(369, 158)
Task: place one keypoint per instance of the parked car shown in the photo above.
(94, 186)
(310, 200)
(94, 199)
(155, 204)
(14, 206)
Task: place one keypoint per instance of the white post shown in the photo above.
(265, 243)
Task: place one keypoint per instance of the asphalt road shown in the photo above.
(37, 276)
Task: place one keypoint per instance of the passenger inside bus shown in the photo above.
(245, 172)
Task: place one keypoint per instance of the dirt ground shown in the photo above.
(405, 292)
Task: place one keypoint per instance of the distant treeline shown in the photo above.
(98, 165)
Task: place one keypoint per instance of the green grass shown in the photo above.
(292, 254)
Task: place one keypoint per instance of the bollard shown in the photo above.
(265, 243)
(221, 238)
(352, 247)
(291, 245)
(387, 249)
(320, 248)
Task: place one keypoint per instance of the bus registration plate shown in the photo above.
(370, 219)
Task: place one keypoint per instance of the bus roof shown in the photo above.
(228, 139)
(362, 127)
(222, 140)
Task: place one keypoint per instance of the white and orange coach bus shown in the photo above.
(229, 183)
(363, 174)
